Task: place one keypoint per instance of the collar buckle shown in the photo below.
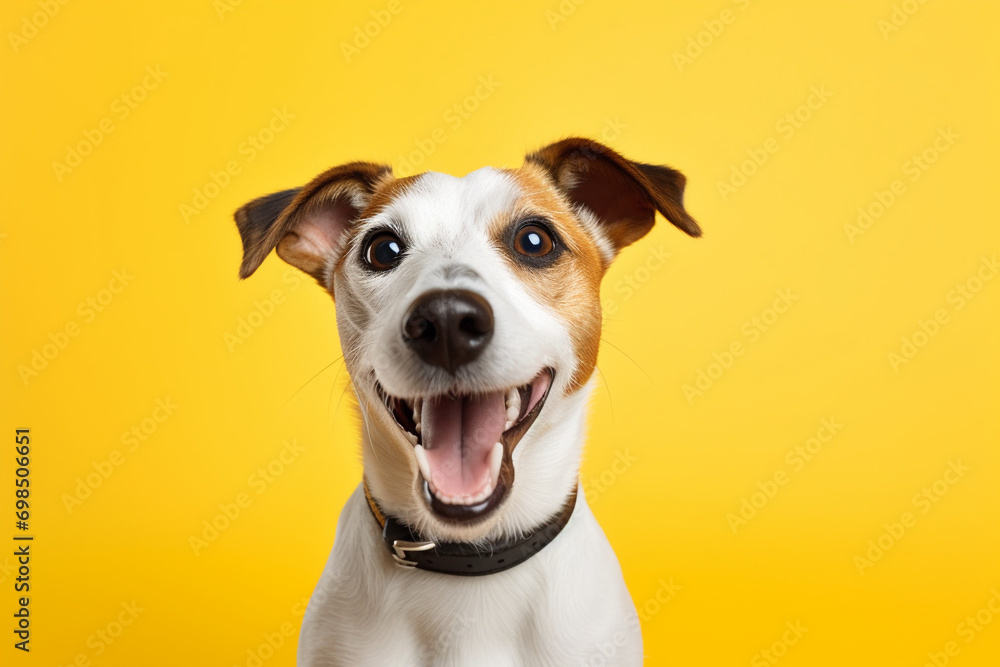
(401, 547)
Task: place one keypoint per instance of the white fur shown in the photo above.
(564, 606)
(567, 605)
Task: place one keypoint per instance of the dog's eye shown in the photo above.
(533, 241)
(383, 251)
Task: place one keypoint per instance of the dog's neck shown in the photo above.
(546, 474)
(410, 549)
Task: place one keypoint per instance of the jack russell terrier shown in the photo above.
(470, 318)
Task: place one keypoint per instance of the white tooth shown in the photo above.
(514, 398)
(507, 424)
(513, 405)
(417, 406)
(409, 436)
(496, 458)
(425, 467)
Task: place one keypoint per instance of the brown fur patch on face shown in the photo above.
(386, 190)
(571, 286)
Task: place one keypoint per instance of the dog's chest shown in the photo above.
(559, 607)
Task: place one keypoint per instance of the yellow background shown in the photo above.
(608, 70)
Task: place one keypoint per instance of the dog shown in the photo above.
(469, 316)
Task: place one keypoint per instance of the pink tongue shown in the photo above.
(458, 435)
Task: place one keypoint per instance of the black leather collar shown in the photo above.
(411, 550)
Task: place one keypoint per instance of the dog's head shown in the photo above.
(469, 316)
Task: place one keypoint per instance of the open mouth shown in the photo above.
(463, 443)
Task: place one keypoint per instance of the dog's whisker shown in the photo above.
(333, 388)
(340, 400)
(368, 435)
(323, 370)
(622, 352)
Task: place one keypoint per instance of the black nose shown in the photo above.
(448, 328)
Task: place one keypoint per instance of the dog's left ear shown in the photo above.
(307, 224)
(623, 195)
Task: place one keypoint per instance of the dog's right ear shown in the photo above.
(307, 224)
(622, 194)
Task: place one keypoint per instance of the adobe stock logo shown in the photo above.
(778, 649)
(30, 25)
(787, 126)
(566, 9)
(968, 630)
(913, 168)
(121, 108)
(959, 297)
(363, 35)
(714, 27)
(629, 285)
(752, 329)
(263, 310)
(132, 439)
(595, 487)
(60, 339)
(796, 457)
(101, 640)
(455, 116)
(923, 500)
(223, 7)
(248, 150)
(231, 510)
(900, 16)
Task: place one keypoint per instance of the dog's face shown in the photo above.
(469, 316)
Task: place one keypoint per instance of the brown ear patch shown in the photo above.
(307, 225)
(623, 195)
(253, 220)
